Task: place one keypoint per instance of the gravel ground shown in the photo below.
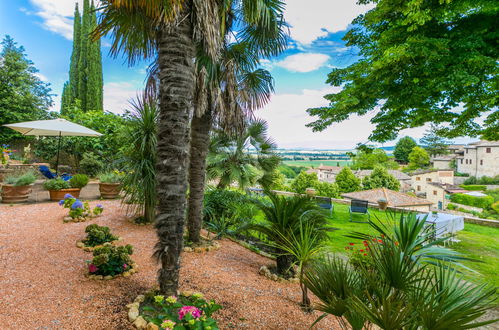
(42, 282)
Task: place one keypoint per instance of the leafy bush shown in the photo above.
(380, 178)
(111, 177)
(79, 209)
(347, 181)
(482, 180)
(303, 181)
(183, 312)
(482, 202)
(91, 164)
(111, 260)
(494, 193)
(451, 206)
(56, 184)
(22, 180)
(220, 203)
(327, 189)
(473, 187)
(97, 235)
(78, 181)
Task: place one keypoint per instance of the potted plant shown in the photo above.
(18, 188)
(58, 188)
(383, 204)
(110, 184)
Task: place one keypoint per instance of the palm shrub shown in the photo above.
(410, 283)
(139, 158)
(283, 217)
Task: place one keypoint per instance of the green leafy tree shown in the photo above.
(23, 96)
(403, 148)
(303, 181)
(327, 189)
(418, 158)
(347, 181)
(418, 61)
(434, 142)
(380, 178)
(367, 159)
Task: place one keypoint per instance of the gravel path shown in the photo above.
(42, 283)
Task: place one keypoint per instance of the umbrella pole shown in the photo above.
(58, 150)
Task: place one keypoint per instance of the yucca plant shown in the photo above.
(283, 218)
(410, 284)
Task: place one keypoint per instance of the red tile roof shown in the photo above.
(394, 198)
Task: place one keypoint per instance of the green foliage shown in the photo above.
(21, 180)
(98, 235)
(483, 180)
(367, 159)
(418, 61)
(303, 181)
(278, 182)
(403, 148)
(290, 172)
(326, 189)
(494, 193)
(229, 161)
(433, 142)
(23, 96)
(219, 203)
(473, 187)
(380, 178)
(451, 206)
(78, 209)
(78, 181)
(111, 260)
(401, 287)
(347, 181)
(56, 184)
(111, 177)
(182, 312)
(418, 158)
(482, 202)
(91, 164)
(140, 157)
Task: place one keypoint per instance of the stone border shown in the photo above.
(199, 249)
(133, 270)
(67, 218)
(252, 248)
(131, 220)
(134, 315)
(81, 245)
(265, 271)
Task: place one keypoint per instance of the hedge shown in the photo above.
(473, 187)
(482, 202)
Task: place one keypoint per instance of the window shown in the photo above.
(470, 161)
(419, 188)
(461, 161)
(418, 178)
(466, 162)
(488, 150)
(428, 179)
(481, 161)
(434, 192)
(466, 150)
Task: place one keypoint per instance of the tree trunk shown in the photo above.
(176, 63)
(200, 142)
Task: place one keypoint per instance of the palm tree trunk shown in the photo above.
(176, 63)
(200, 142)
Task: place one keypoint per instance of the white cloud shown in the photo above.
(57, 15)
(303, 62)
(117, 96)
(41, 76)
(313, 19)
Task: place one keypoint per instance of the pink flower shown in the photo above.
(351, 243)
(194, 311)
(125, 266)
(92, 268)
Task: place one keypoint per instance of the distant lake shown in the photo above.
(317, 163)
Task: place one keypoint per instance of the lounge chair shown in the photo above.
(358, 206)
(51, 175)
(325, 203)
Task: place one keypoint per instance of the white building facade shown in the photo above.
(480, 159)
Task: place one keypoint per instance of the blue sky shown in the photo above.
(44, 28)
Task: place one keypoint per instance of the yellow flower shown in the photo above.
(197, 295)
(159, 299)
(171, 299)
(191, 322)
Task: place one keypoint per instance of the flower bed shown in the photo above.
(97, 236)
(187, 311)
(79, 211)
(110, 262)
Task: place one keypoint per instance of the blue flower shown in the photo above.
(68, 196)
(61, 202)
(77, 205)
(99, 206)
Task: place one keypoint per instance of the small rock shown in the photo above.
(133, 314)
(187, 249)
(99, 277)
(108, 277)
(126, 274)
(274, 277)
(133, 305)
(140, 323)
(140, 298)
(294, 280)
(198, 249)
(80, 244)
(152, 326)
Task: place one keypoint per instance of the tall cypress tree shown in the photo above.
(84, 55)
(94, 78)
(70, 89)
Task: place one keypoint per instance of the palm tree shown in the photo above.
(139, 158)
(230, 160)
(170, 31)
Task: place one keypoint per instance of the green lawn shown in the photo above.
(316, 163)
(477, 242)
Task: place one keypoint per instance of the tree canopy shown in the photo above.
(380, 178)
(420, 61)
(434, 142)
(347, 181)
(367, 159)
(418, 158)
(403, 148)
(23, 96)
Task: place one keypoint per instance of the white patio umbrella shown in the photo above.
(55, 127)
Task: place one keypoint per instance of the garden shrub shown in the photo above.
(219, 202)
(451, 206)
(482, 202)
(91, 164)
(303, 181)
(473, 187)
(78, 181)
(182, 312)
(22, 180)
(98, 235)
(494, 193)
(483, 180)
(79, 209)
(326, 189)
(111, 177)
(56, 184)
(111, 260)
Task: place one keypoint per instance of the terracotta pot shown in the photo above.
(12, 194)
(311, 191)
(57, 195)
(109, 190)
(382, 205)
